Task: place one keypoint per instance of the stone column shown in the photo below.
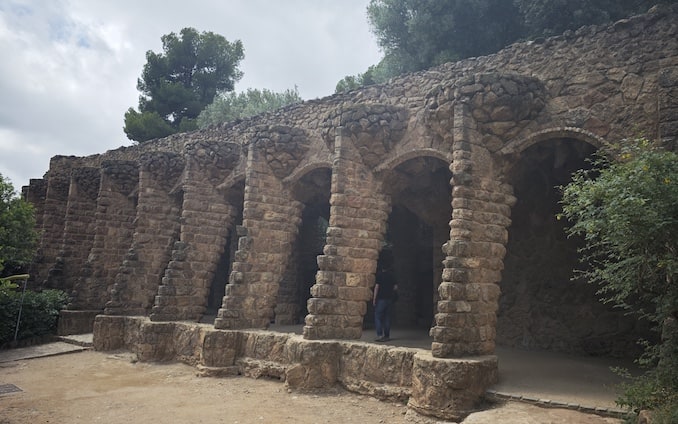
(287, 307)
(156, 229)
(35, 193)
(466, 320)
(79, 226)
(206, 219)
(358, 215)
(114, 227)
(668, 107)
(271, 220)
(48, 264)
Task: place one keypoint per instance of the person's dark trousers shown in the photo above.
(382, 318)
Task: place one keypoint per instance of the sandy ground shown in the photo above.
(95, 387)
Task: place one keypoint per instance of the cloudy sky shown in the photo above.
(68, 68)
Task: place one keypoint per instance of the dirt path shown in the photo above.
(95, 387)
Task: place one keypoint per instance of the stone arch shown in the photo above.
(418, 184)
(393, 162)
(541, 306)
(518, 145)
(304, 170)
(234, 196)
(310, 186)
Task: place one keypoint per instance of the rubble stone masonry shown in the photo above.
(141, 234)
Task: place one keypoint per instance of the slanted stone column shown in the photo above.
(49, 264)
(271, 220)
(35, 193)
(79, 226)
(358, 215)
(112, 235)
(288, 306)
(206, 219)
(667, 106)
(466, 320)
(114, 227)
(156, 229)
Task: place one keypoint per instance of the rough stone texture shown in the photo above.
(115, 214)
(156, 230)
(76, 322)
(447, 151)
(206, 218)
(445, 388)
(80, 226)
(450, 388)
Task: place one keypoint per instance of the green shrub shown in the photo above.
(626, 208)
(39, 312)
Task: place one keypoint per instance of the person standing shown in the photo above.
(384, 291)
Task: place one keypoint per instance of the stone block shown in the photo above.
(76, 322)
(324, 291)
(450, 388)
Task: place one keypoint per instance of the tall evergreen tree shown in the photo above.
(177, 84)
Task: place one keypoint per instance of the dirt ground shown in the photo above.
(96, 387)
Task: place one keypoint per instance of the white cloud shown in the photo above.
(69, 68)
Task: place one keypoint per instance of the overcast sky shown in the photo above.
(68, 68)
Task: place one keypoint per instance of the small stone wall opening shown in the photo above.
(541, 307)
(418, 226)
(218, 285)
(313, 190)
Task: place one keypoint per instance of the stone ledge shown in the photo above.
(442, 388)
(76, 322)
(549, 403)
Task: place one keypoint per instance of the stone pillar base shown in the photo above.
(450, 388)
(109, 332)
(76, 322)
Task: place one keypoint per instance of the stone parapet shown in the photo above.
(441, 388)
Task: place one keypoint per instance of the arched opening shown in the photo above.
(418, 226)
(235, 197)
(541, 306)
(313, 190)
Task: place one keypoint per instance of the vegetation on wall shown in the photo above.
(626, 209)
(231, 106)
(177, 84)
(418, 34)
(18, 237)
(39, 312)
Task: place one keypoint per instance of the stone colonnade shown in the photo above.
(142, 230)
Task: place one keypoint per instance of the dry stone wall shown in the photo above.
(152, 232)
(80, 223)
(115, 214)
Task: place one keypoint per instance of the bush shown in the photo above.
(39, 313)
(626, 208)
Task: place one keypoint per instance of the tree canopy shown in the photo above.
(231, 106)
(553, 17)
(627, 212)
(17, 230)
(419, 34)
(177, 84)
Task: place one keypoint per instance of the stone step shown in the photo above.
(83, 340)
